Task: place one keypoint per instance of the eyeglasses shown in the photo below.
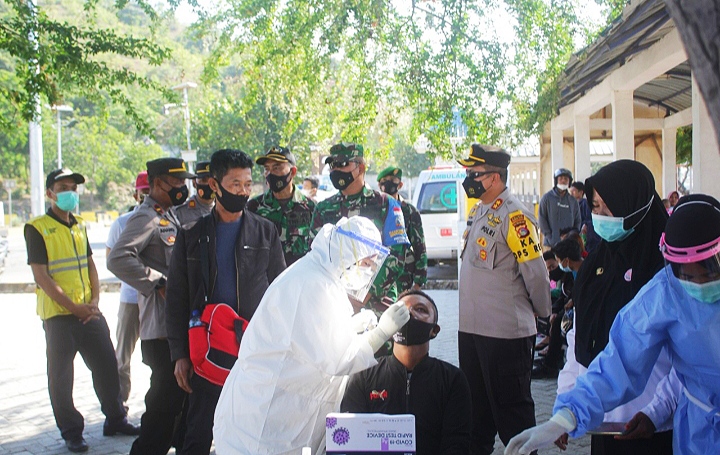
(336, 164)
(475, 174)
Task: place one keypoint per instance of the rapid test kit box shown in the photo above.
(365, 434)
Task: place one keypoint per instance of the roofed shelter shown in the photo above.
(633, 85)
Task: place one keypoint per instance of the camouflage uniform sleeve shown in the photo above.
(327, 211)
(311, 228)
(316, 223)
(417, 240)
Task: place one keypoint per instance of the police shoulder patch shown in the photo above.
(522, 237)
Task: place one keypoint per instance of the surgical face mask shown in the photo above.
(205, 192)
(611, 228)
(389, 187)
(278, 183)
(356, 277)
(306, 193)
(414, 332)
(565, 269)
(233, 203)
(562, 186)
(67, 200)
(705, 292)
(358, 258)
(341, 179)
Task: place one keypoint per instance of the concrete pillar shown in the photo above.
(623, 127)
(705, 156)
(669, 158)
(556, 149)
(582, 147)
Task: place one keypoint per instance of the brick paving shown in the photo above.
(26, 423)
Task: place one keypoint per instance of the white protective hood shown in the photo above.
(294, 356)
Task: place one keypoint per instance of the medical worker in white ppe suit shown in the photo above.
(301, 343)
(678, 309)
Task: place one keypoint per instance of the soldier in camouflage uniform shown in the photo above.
(356, 198)
(415, 272)
(284, 204)
(200, 204)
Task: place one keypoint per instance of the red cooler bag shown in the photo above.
(215, 342)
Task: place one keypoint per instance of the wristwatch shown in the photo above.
(161, 283)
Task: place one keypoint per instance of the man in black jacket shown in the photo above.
(244, 257)
(411, 382)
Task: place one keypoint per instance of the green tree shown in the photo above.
(683, 145)
(108, 158)
(53, 59)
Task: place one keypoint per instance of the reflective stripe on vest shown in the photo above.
(67, 263)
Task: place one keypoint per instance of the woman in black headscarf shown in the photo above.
(629, 216)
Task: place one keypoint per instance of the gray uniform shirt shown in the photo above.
(141, 257)
(191, 211)
(503, 279)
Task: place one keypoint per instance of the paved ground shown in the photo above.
(26, 422)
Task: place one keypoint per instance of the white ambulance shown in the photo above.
(443, 206)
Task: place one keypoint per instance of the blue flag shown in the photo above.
(394, 232)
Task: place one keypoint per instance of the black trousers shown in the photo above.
(554, 357)
(163, 401)
(201, 416)
(498, 371)
(659, 444)
(65, 337)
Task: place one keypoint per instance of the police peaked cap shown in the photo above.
(202, 169)
(174, 167)
(486, 154)
(392, 171)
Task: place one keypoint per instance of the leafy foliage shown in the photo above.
(683, 145)
(302, 73)
(53, 59)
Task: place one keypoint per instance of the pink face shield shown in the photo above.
(706, 255)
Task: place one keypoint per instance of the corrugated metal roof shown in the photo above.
(633, 32)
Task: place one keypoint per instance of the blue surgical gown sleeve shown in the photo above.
(661, 409)
(621, 371)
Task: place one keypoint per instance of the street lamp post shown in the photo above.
(189, 155)
(58, 110)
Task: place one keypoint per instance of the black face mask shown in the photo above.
(341, 179)
(233, 203)
(205, 192)
(557, 274)
(278, 183)
(390, 188)
(473, 188)
(178, 195)
(413, 333)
